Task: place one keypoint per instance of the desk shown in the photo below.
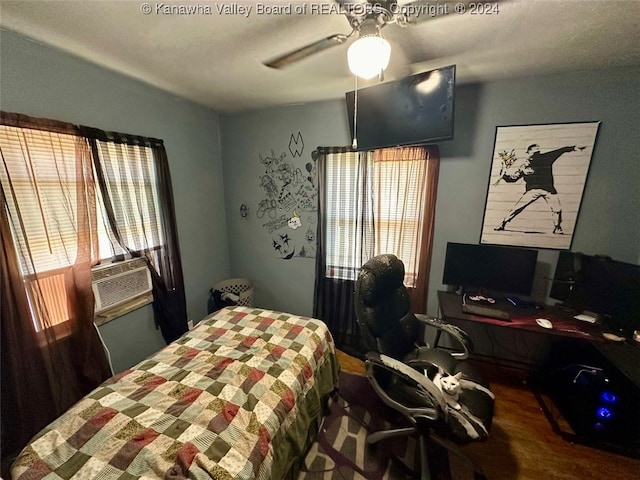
(520, 343)
(572, 363)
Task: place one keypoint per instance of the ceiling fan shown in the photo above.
(367, 18)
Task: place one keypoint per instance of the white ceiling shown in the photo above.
(217, 59)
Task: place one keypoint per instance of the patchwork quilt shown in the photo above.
(237, 397)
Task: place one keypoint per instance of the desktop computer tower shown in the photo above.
(598, 401)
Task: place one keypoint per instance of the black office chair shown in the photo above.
(402, 368)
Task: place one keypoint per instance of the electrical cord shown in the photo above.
(106, 350)
(354, 144)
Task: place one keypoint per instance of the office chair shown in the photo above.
(405, 371)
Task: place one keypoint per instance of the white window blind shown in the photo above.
(348, 200)
(130, 178)
(373, 208)
(41, 169)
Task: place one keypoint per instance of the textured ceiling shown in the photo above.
(215, 57)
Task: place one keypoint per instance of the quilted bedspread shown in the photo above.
(234, 398)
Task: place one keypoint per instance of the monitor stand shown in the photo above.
(565, 308)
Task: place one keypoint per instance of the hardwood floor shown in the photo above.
(523, 446)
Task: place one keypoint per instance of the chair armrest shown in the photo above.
(460, 336)
(424, 387)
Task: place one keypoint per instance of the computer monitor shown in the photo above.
(494, 268)
(600, 285)
(567, 273)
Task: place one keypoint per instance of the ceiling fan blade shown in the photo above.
(306, 51)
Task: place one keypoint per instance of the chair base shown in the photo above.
(386, 434)
(425, 473)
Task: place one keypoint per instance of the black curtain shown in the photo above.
(159, 246)
(333, 300)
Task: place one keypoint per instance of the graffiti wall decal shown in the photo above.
(283, 248)
(296, 145)
(289, 205)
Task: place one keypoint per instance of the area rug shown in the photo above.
(340, 451)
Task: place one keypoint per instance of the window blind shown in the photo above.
(375, 204)
(130, 177)
(40, 168)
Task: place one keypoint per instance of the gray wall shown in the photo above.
(285, 285)
(43, 82)
(608, 222)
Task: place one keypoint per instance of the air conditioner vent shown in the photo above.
(120, 282)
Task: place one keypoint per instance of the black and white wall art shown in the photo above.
(289, 200)
(536, 184)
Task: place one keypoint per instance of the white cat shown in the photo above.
(450, 386)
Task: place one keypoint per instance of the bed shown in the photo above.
(239, 396)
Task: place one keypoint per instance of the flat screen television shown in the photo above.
(494, 268)
(417, 109)
(600, 285)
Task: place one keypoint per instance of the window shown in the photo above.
(375, 204)
(40, 174)
(348, 198)
(400, 208)
(129, 176)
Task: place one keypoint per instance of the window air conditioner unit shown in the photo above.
(120, 282)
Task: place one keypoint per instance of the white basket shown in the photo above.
(242, 287)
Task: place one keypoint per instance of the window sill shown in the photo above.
(113, 313)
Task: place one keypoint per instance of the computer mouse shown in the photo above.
(544, 323)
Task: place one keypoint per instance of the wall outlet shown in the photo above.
(190, 324)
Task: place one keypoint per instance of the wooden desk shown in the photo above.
(554, 359)
(520, 343)
(522, 318)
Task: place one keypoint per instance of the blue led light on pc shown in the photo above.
(608, 397)
(604, 413)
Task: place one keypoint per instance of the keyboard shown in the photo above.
(486, 311)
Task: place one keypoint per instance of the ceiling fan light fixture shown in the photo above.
(368, 56)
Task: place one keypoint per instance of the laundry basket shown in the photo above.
(242, 287)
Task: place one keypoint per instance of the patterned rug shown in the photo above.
(340, 451)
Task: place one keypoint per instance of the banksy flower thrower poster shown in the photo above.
(537, 179)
